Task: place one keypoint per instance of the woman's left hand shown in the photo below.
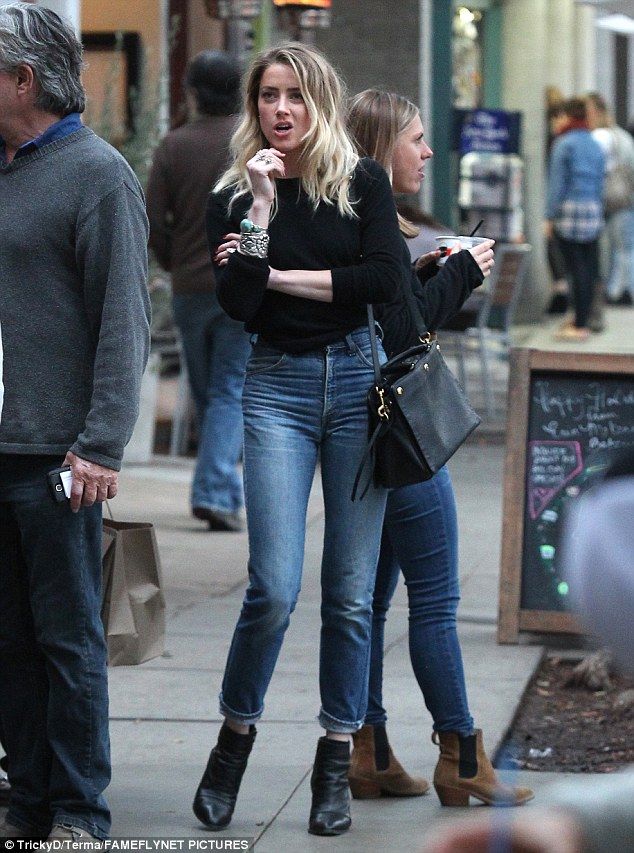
(426, 259)
(226, 249)
(482, 254)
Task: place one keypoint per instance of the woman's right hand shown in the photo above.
(482, 254)
(262, 169)
(229, 245)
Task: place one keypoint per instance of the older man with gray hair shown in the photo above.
(75, 325)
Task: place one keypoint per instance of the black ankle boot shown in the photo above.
(216, 796)
(330, 808)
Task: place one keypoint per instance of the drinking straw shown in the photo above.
(473, 233)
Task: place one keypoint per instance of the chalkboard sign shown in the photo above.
(570, 414)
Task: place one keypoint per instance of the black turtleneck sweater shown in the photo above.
(364, 254)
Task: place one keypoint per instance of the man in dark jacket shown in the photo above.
(75, 328)
(187, 164)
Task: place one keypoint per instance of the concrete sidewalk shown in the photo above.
(164, 713)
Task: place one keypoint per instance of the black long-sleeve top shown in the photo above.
(439, 293)
(364, 254)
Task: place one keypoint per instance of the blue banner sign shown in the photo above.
(487, 131)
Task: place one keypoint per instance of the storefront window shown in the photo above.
(467, 57)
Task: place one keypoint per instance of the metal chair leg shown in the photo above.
(487, 385)
(462, 371)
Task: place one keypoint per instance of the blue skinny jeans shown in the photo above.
(420, 537)
(298, 408)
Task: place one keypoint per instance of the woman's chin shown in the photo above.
(285, 145)
(407, 189)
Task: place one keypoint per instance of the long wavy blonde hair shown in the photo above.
(375, 121)
(328, 157)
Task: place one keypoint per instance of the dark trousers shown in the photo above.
(555, 259)
(582, 265)
(4, 761)
(53, 681)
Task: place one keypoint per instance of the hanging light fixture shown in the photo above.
(302, 17)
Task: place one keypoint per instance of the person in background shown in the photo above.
(420, 535)
(556, 118)
(593, 815)
(186, 165)
(75, 327)
(574, 211)
(618, 147)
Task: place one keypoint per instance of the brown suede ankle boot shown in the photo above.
(464, 771)
(375, 772)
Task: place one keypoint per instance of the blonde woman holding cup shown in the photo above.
(420, 532)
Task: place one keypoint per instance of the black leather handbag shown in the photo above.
(418, 413)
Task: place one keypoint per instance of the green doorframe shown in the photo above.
(441, 109)
(492, 57)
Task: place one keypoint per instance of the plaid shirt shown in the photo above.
(575, 186)
(579, 221)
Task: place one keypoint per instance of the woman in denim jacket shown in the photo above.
(574, 210)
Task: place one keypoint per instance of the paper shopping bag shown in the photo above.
(133, 607)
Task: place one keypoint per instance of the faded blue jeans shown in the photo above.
(216, 349)
(420, 537)
(298, 408)
(53, 680)
(620, 233)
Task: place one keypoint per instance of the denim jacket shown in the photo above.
(575, 186)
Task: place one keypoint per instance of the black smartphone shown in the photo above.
(59, 482)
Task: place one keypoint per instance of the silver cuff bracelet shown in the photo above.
(255, 244)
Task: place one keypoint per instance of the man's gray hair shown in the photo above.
(35, 36)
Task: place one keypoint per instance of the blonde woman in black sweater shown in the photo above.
(318, 240)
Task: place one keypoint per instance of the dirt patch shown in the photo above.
(571, 729)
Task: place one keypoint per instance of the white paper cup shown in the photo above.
(454, 244)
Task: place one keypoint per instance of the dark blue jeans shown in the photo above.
(298, 408)
(420, 537)
(582, 264)
(53, 681)
(216, 350)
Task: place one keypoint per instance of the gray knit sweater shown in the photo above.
(74, 307)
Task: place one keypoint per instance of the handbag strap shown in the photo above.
(424, 335)
(421, 329)
(368, 456)
(374, 346)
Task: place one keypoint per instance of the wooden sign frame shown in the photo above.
(511, 617)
